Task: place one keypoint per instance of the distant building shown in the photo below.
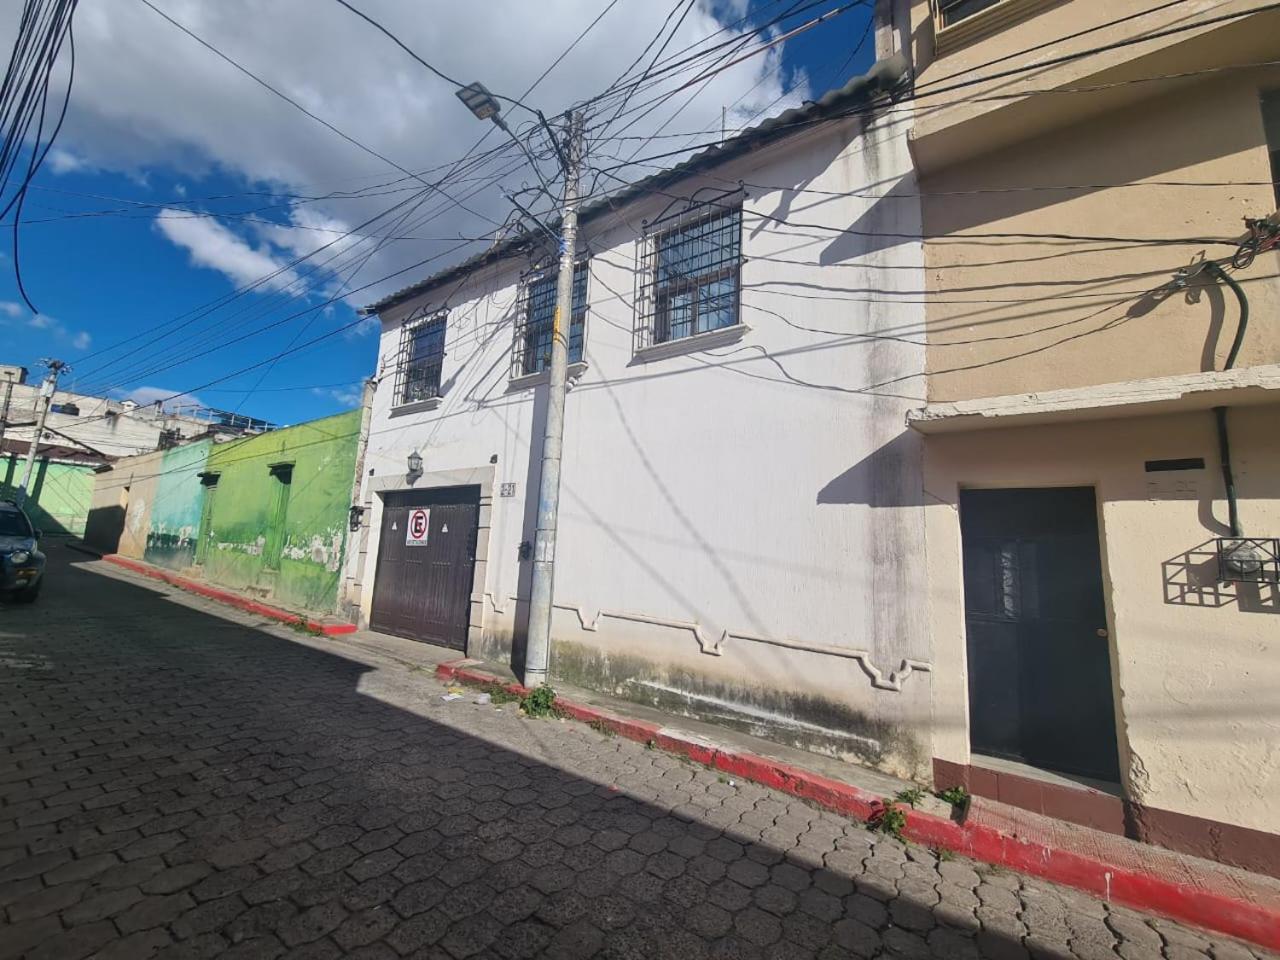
(84, 432)
(109, 428)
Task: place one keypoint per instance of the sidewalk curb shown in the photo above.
(1254, 922)
(214, 593)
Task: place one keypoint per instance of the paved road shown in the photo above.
(174, 783)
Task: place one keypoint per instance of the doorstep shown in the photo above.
(1113, 868)
(328, 626)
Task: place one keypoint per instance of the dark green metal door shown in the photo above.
(1035, 618)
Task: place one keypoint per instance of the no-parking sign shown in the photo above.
(415, 532)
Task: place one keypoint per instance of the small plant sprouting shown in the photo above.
(943, 854)
(650, 743)
(540, 702)
(910, 796)
(499, 695)
(602, 728)
(956, 796)
(889, 819)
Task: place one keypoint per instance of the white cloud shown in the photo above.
(150, 99)
(145, 396)
(77, 339)
(62, 161)
(212, 245)
(347, 396)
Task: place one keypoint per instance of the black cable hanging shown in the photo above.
(24, 97)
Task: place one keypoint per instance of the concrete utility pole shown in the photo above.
(46, 399)
(538, 647)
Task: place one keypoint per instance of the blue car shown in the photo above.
(21, 562)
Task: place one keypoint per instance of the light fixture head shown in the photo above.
(415, 463)
(479, 101)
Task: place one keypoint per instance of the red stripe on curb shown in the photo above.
(224, 596)
(1255, 922)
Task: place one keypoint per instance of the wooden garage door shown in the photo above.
(426, 560)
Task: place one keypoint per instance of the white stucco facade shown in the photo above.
(740, 526)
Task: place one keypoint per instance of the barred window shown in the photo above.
(535, 313)
(421, 357)
(694, 275)
(953, 11)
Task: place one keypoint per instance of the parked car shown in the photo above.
(21, 562)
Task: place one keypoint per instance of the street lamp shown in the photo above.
(479, 101)
(415, 464)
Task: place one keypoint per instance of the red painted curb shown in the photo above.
(224, 596)
(1215, 911)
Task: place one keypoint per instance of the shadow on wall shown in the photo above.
(532, 485)
(63, 511)
(1191, 580)
(883, 478)
(103, 529)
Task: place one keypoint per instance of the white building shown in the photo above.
(740, 533)
(103, 426)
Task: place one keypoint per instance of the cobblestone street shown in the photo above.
(179, 783)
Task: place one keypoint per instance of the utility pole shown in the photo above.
(538, 646)
(46, 399)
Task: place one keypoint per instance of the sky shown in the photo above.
(177, 181)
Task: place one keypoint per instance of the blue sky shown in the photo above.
(134, 279)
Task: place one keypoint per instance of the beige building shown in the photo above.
(1106, 647)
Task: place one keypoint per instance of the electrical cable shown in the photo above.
(294, 103)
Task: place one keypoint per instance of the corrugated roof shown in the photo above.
(883, 77)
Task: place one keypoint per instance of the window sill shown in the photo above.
(699, 341)
(417, 406)
(572, 375)
(984, 23)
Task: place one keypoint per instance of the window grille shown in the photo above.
(421, 358)
(690, 277)
(535, 312)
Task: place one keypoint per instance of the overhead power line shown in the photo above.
(296, 105)
(24, 97)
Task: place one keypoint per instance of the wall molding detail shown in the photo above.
(713, 646)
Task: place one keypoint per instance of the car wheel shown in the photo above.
(29, 595)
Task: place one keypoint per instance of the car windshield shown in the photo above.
(13, 524)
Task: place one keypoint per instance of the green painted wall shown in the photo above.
(313, 533)
(58, 502)
(176, 505)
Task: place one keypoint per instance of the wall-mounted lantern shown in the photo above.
(415, 464)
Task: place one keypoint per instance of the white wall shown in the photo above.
(766, 488)
(128, 432)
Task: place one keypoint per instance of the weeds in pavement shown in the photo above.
(889, 819)
(958, 797)
(540, 702)
(602, 728)
(499, 694)
(910, 796)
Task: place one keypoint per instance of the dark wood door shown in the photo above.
(422, 590)
(1035, 619)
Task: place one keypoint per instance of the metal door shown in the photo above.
(1039, 661)
(423, 590)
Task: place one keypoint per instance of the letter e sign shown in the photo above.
(415, 532)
